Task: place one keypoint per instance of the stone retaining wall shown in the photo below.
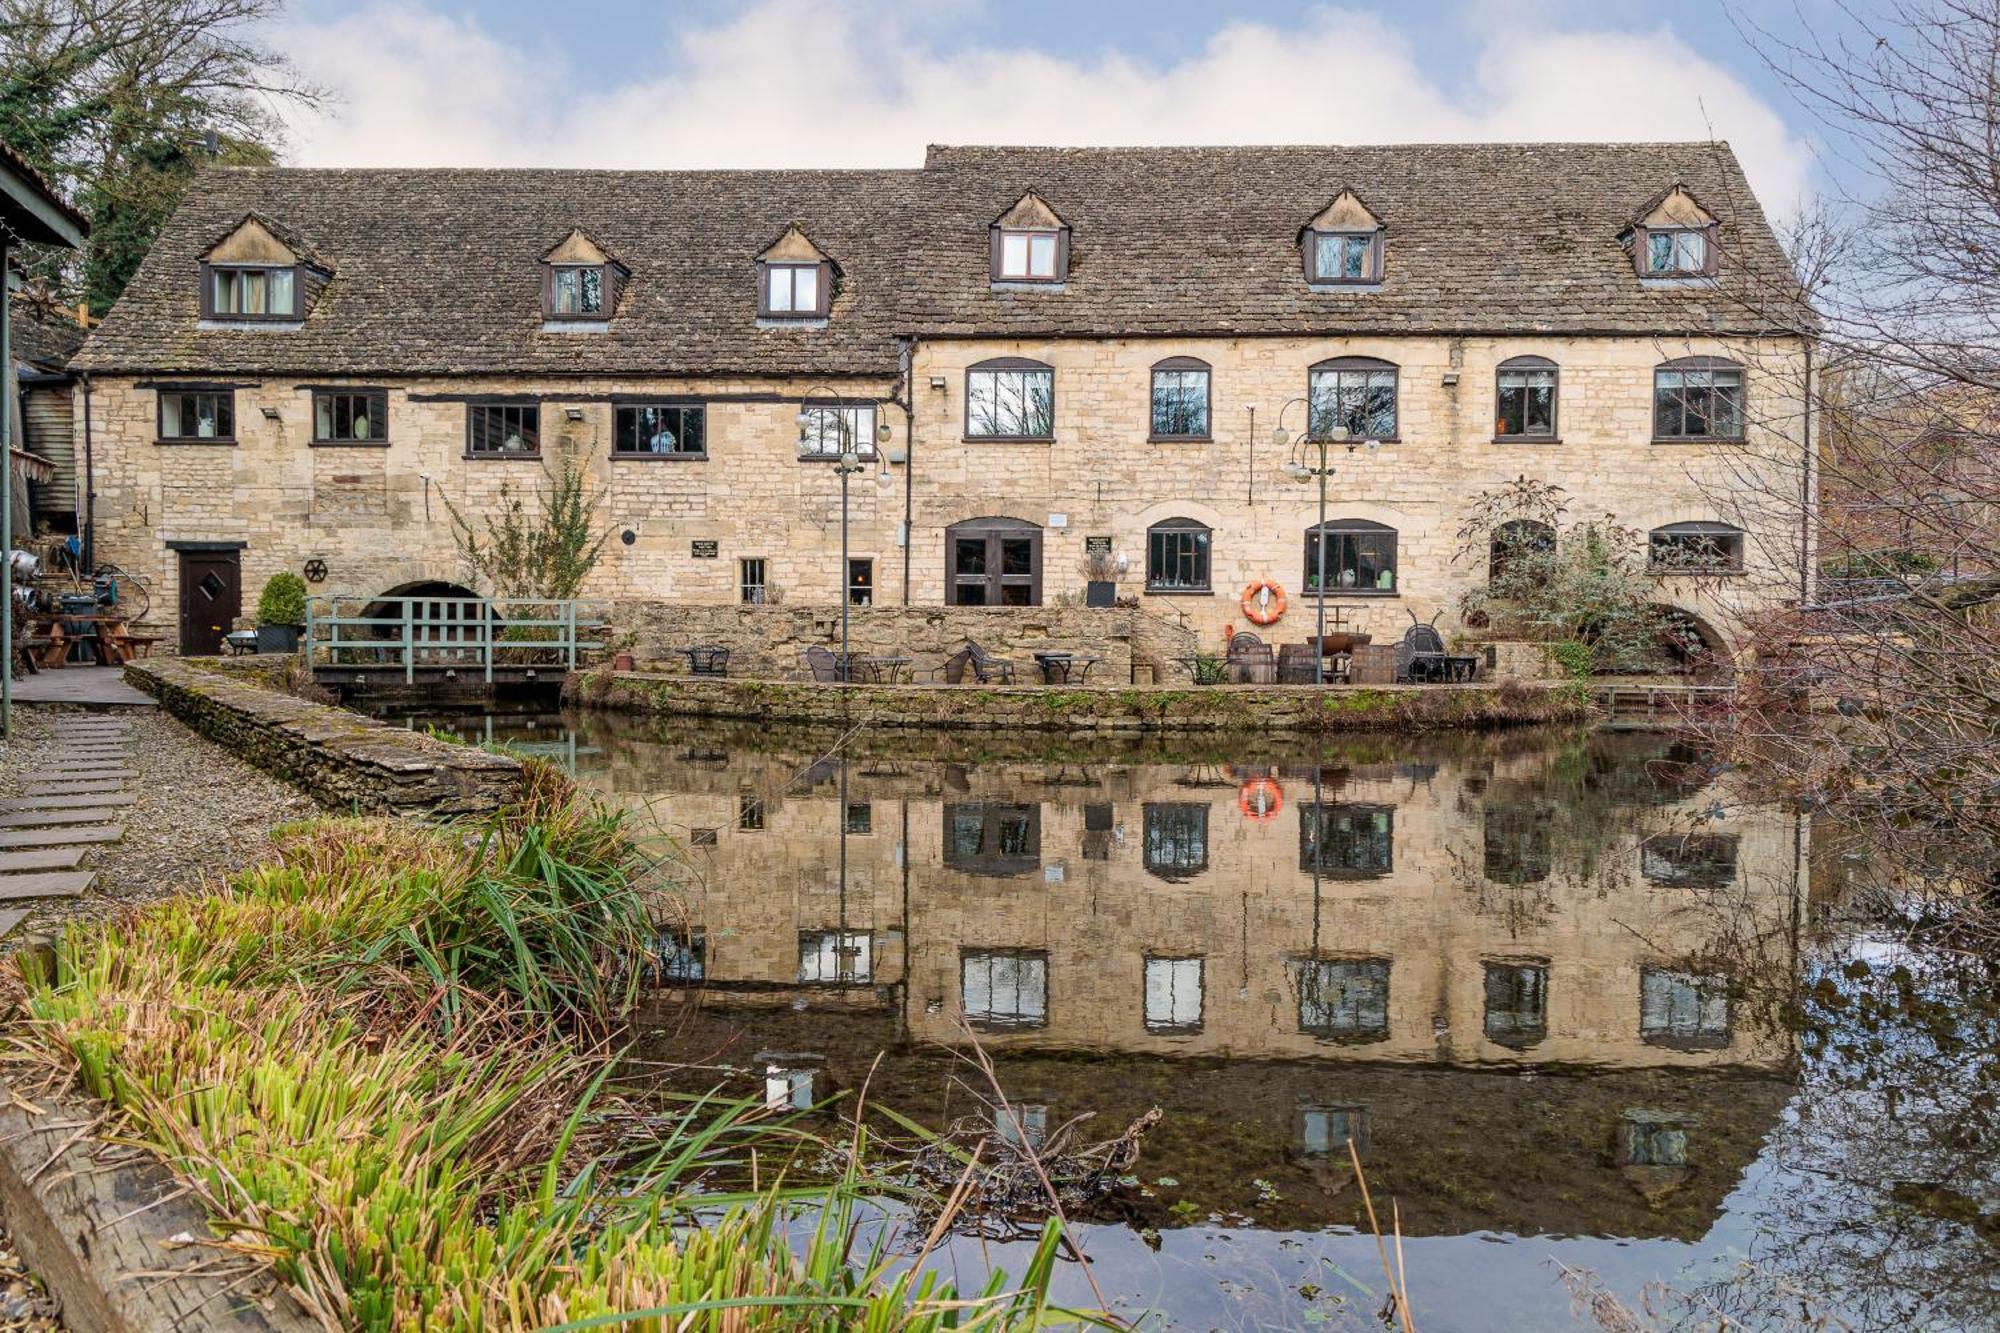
(1115, 710)
(768, 642)
(345, 761)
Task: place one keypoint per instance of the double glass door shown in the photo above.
(994, 562)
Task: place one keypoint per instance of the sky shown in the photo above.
(817, 83)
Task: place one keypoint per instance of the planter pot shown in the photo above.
(278, 638)
(621, 661)
(1100, 593)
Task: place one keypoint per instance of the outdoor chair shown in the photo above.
(986, 668)
(1250, 661)
(951, 671)
(823, 664)
(1420, 656)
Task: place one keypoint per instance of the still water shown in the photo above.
(1584, 1013)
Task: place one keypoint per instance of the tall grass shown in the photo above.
(381, 1059)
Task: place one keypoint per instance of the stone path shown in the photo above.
(45, 833)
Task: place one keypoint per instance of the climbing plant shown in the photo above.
(543, 545)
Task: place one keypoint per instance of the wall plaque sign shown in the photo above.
(1097, 546)
(704, 550)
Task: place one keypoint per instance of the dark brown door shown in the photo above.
(211, 599)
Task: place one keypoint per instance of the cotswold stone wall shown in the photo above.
(1215, 708)
(343, 760)
(769, 642)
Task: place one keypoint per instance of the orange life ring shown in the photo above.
(1260, 798)
(1260, 608)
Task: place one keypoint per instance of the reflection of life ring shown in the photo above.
(1263, 602)
(1260, 798)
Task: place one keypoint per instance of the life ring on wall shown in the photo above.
(1260, 798)
(1263, 602)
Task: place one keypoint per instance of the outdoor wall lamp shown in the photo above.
(574, 414)
(937, 382)
(271, 414)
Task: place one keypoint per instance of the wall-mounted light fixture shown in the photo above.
(573, 414)
(1450, 379)
(271, 414)
(937, 382)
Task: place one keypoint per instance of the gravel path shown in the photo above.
(23, 1302)
(200, 810)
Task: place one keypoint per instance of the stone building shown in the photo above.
(1042, 357)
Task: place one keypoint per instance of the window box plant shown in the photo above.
(281, 613)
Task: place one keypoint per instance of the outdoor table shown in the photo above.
(241, 641)
(875, 670)
(707, 659)
(1056, 667)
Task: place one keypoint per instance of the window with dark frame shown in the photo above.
(1698, 399)
(1177, 551)
(1030, 255)
(1526, 399)
(835, 957)
(1695, 548)
(1325, 1133)
(858, 818)
(750, 812)
(1690, 860)
(1174, 995)
(830, 430)
(1343, 999)
(1345, 256)
(503, 429)
(1360, 558)
(576, 291)
(1517, 1003)
(681, 953)
(1347, 840)
(660, 430)
(1010, 400)
(750, 579)
(252, 293)
(794, 291)
(1356, 392)
(348, 416)
(1004, 989)
(1683, 1010)
(197, 414)
(861, 581)
(1180, 399)
(993, 838)
(1519, 845)
(1515, 542)
(1678, 252)
(1175, 838)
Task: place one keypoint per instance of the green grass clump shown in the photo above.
(381, 1060)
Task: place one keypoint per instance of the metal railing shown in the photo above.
(455, 633)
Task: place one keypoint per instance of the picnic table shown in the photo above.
(63, 638)
(707, 659)
(1058, 667)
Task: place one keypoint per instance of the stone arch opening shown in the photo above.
(444, 615)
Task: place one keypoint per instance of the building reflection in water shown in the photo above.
(1293, 952)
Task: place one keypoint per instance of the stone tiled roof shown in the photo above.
(1478, 238)
(43, 338)
(435, 270)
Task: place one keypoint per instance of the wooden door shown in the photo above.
(211, 599)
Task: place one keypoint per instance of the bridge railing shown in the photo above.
(455, 633)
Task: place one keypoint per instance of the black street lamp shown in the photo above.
(1308, 462)
(849, 464)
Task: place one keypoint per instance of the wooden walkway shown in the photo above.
(74, 802)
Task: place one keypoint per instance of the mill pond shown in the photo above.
(1593, 1021)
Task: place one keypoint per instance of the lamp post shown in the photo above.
(1307, 463)
(849, 464)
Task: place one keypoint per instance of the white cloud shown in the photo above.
(419, 88)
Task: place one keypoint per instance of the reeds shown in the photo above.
(381, 1061)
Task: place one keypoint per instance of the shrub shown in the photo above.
(283, 601)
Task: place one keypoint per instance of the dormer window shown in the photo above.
(577, 292)
(259, 272)
(252, 293)
(795, 280)
(1343, 245)
(1030, 243)
(580, 284)
(1674, 237)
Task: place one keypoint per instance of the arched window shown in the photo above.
(1357, 392)
(1360, 557)
(1514, 540)
(1177, 556)
(993, 562)
(1010, 398)
(1696, 548)
(1525, 399)
(1698, 398)
(1180, 399)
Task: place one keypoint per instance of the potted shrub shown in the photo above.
(1100, 571)
(281, 613)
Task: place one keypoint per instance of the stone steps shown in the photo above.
(69, 801)
(62, 812)
(51, 884)
(93, 814)
(43, 858)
